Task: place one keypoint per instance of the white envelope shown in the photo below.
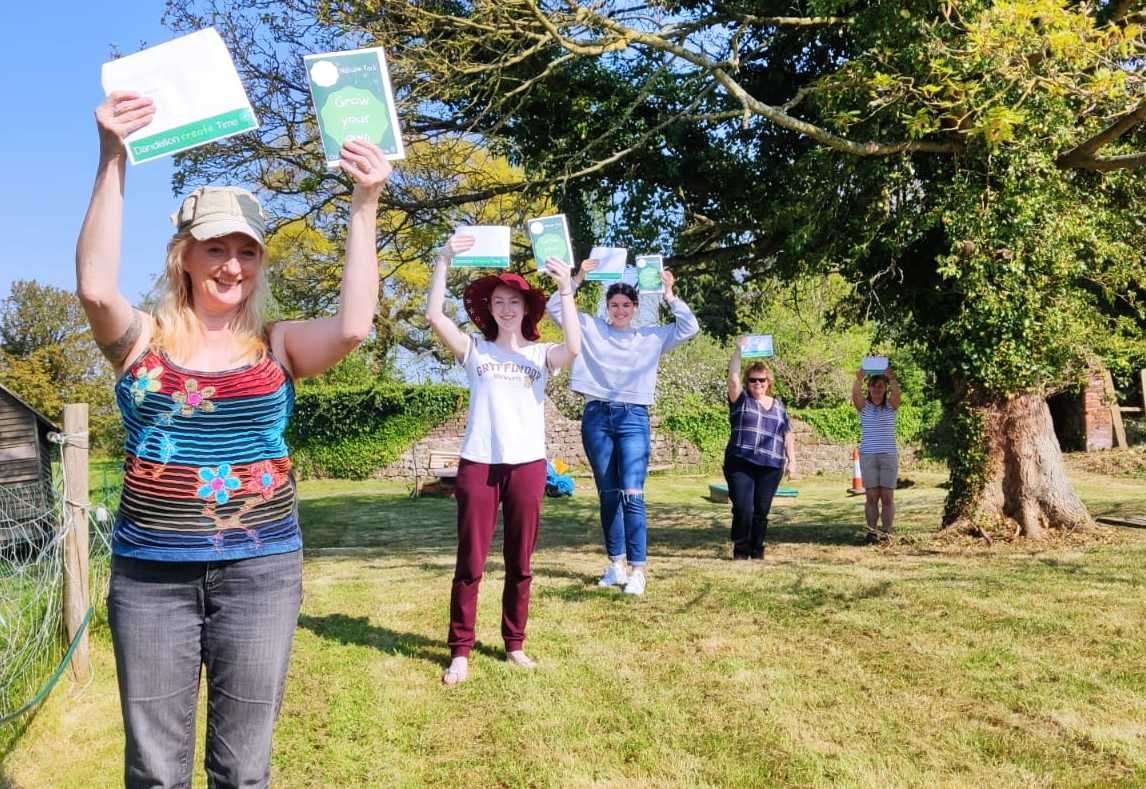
(197, 93)
(610, 264)
(490, 249)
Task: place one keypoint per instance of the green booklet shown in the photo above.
(353, 100)
(611, 263)
(649, 268)
(197, 93)
(490, 249)
(550, 238)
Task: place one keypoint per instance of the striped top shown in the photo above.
(758, 433)
(877, 429)
(207, 475)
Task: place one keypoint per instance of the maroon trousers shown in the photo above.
(481, 487)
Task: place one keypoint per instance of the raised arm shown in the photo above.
(857, 391)
(555, 305)
(117, 328)
(735, 388)
(446, 330)
(561, 356)
(313, 346)
(684, 326)
(893, 393)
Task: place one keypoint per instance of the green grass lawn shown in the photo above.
(934, 661)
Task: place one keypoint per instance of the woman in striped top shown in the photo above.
(759, 451)
(879, 459)
(206, 559)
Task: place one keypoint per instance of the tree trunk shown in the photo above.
(1021, 480)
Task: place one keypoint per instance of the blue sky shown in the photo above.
(52, 57)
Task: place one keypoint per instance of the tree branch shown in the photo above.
(1084, 155)
(1120, 8)
(774, 114)
(791, 21)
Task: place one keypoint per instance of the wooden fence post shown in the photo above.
(77, 596)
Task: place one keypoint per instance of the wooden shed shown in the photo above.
(25, 454)
(25, 471)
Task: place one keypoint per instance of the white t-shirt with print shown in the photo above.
(506, 422)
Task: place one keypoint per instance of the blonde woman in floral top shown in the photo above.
(206, 560)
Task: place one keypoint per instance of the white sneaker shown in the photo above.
(615, 575)
(636, 584)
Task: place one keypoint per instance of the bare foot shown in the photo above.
(457, 673)
(518, 658)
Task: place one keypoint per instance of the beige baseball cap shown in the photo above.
(213, 211)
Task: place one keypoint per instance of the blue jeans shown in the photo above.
(167, 619)
(616, 439)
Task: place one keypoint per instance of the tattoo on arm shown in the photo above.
(117, 350)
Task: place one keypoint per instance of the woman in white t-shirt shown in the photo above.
(879, 458)
(503, 452)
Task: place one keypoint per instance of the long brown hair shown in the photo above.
(886, 383)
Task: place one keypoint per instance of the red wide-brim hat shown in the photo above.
(476, 300)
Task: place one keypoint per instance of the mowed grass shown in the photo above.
(933, 661)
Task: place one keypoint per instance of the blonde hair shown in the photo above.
(176, 325)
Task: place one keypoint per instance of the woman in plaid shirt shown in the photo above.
(759, 450)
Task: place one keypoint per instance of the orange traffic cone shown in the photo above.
(857, 476)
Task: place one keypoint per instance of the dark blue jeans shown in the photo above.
(169, 618)
(616, 439)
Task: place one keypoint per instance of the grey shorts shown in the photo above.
(880, 470)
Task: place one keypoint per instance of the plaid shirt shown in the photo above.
(758, 433)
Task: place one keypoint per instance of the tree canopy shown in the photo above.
(969, 166)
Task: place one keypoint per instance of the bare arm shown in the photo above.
(316, 345)
(857, 391)
(446, 330)
(561, 356)
(117, 328)
(734, 386)
(790, 454)
(893, 395)
(555, 306)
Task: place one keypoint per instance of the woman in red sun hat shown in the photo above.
(503, 452)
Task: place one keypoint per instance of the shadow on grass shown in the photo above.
(358, 630)
(398, 524)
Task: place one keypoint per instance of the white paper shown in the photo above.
(757, 346)
(197, 93)
(490, 249)
(874, 365)
(611, 263)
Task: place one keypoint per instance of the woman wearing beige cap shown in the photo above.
(206, 559)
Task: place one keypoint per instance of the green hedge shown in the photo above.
(707, 426)
(350, 431)
(840, 423)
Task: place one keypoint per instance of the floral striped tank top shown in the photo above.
(207, 475)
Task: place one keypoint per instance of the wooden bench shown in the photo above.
(442, 466)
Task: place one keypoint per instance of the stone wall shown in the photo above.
(563, 440)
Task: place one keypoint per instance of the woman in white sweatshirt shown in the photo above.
(616, 373)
